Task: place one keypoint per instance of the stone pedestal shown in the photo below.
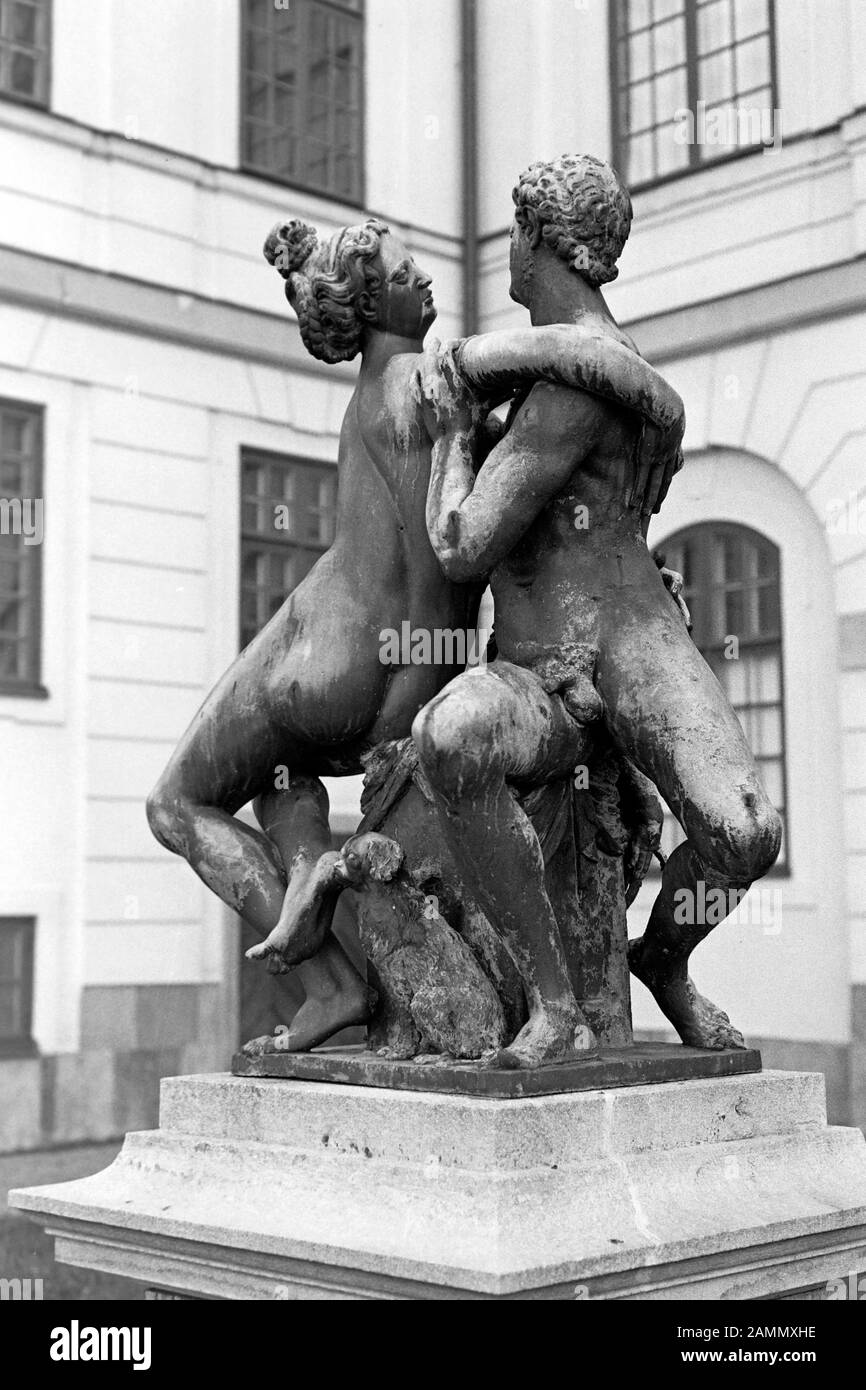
(729, 1187)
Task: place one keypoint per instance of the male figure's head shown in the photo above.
(577, 208)
(360, 278)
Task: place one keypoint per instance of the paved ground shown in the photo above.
(26, 1252)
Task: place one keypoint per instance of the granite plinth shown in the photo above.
(253, 1188)
(642, 1064)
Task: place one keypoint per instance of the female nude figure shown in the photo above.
(310, 691)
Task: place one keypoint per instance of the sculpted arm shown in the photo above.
(474, 522)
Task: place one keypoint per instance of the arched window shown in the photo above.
(731, 578)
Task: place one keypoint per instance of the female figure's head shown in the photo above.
(361, 278)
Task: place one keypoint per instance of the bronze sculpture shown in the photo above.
(490, 896)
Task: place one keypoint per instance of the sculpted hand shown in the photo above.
(450, 404)
(674, 583)
(644, 820)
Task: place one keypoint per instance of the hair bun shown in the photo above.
(289, 245)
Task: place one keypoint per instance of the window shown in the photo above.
(301, 94)
(288, 514)
(21, 529)
(25, 45)
(16, 984)
(731, 578)
(713, 59)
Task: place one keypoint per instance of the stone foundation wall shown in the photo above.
(131, 1036)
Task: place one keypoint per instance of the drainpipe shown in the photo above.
(469, 160)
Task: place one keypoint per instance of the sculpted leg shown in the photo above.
(484, 728)
(296, 821)
(677, 725)
(238, 863)
(265, 714)
(337, 997)
(228, 756)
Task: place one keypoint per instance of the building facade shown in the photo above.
(156, 400)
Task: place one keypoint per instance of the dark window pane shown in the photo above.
(768, 609)
(10, 1011)
(12, 619)
(716, 52)
(258, 95)
(22, 79)
(301, 95)
(24, 24)
(24, 30)
(16, 979)
(11, 956)
(16, 436)
(20, 563)
(288, 512)
(734, 610)
(10, 660)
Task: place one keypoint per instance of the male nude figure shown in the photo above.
(593, 598)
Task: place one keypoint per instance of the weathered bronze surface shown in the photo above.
(641, 1064)
(510, 811)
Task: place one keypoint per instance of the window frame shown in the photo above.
(696, 164)
(711, 529)
(30, 686)
(276, 541)
(23, 1044)
(302, 186)
(43, 101)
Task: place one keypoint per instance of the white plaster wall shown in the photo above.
(412, 124)
(42, 741)
(544, 89)
(165, 72)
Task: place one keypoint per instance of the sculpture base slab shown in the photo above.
(640, 1065)
(731, 1187)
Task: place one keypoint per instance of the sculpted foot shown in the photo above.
(553, 1034)
(304, 917)
(316, 1021)
(699, 1022)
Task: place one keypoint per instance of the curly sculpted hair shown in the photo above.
(332, 285)
(583, 209)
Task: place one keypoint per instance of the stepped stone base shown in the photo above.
(729, 1187)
